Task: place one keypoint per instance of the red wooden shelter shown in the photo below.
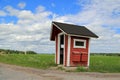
(72, 44)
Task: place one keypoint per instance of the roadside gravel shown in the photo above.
(12, 72)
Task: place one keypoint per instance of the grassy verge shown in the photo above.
(98, 63)
(101, 63)
(42, 61)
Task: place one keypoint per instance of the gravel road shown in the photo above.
(12, 72)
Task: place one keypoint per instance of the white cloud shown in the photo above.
(25, 14)
(2, 13)
(11, 11)
(40, 9)
(117, 36)
(21, 5)
(30, 31)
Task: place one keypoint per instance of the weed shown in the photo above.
(81, 69)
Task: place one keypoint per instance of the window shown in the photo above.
(79, 43)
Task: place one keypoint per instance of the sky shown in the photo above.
(26, 24)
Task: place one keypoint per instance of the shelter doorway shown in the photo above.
(61, 49)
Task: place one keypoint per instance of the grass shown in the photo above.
(41, 61)
(98, 63)
(81, 69)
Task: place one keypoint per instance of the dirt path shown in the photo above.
(11, 72)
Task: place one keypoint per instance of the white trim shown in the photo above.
(81, 40)
(52, 29)
(68, 54)
(58, 48)
(59, 28)
(81, 36)
(89, 53)
(58, 57)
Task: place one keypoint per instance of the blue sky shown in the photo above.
(26, 24)
(61, 7)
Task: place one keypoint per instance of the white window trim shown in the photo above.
(81, 40)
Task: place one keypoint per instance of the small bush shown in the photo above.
(81, 69)
(30, 52)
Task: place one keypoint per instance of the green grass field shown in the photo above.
(102, 63)
(41, 61)
(98, 63)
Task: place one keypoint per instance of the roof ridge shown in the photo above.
(67, 24)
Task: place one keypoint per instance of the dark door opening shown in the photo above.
(61, 48)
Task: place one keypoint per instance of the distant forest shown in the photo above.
(7, 51)
(106, 54)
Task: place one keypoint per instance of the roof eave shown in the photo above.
(52, 30)
(59, 28)
(83, 36)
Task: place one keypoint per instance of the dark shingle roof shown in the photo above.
(75, 29)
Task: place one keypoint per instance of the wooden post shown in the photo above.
(25, 52)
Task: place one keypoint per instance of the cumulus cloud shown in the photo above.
(21, 5)
(30, 31)
(11, 11)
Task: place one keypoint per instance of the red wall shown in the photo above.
(78, 56)
(56, 46)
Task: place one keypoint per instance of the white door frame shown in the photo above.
(89, 52)
(58, 47)
(68, 50)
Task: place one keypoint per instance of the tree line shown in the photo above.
(8, 51)
(106, 54)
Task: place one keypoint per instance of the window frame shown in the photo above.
(81, 40)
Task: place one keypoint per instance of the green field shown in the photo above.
(98, 63)
(42, 61)
(102, 63)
